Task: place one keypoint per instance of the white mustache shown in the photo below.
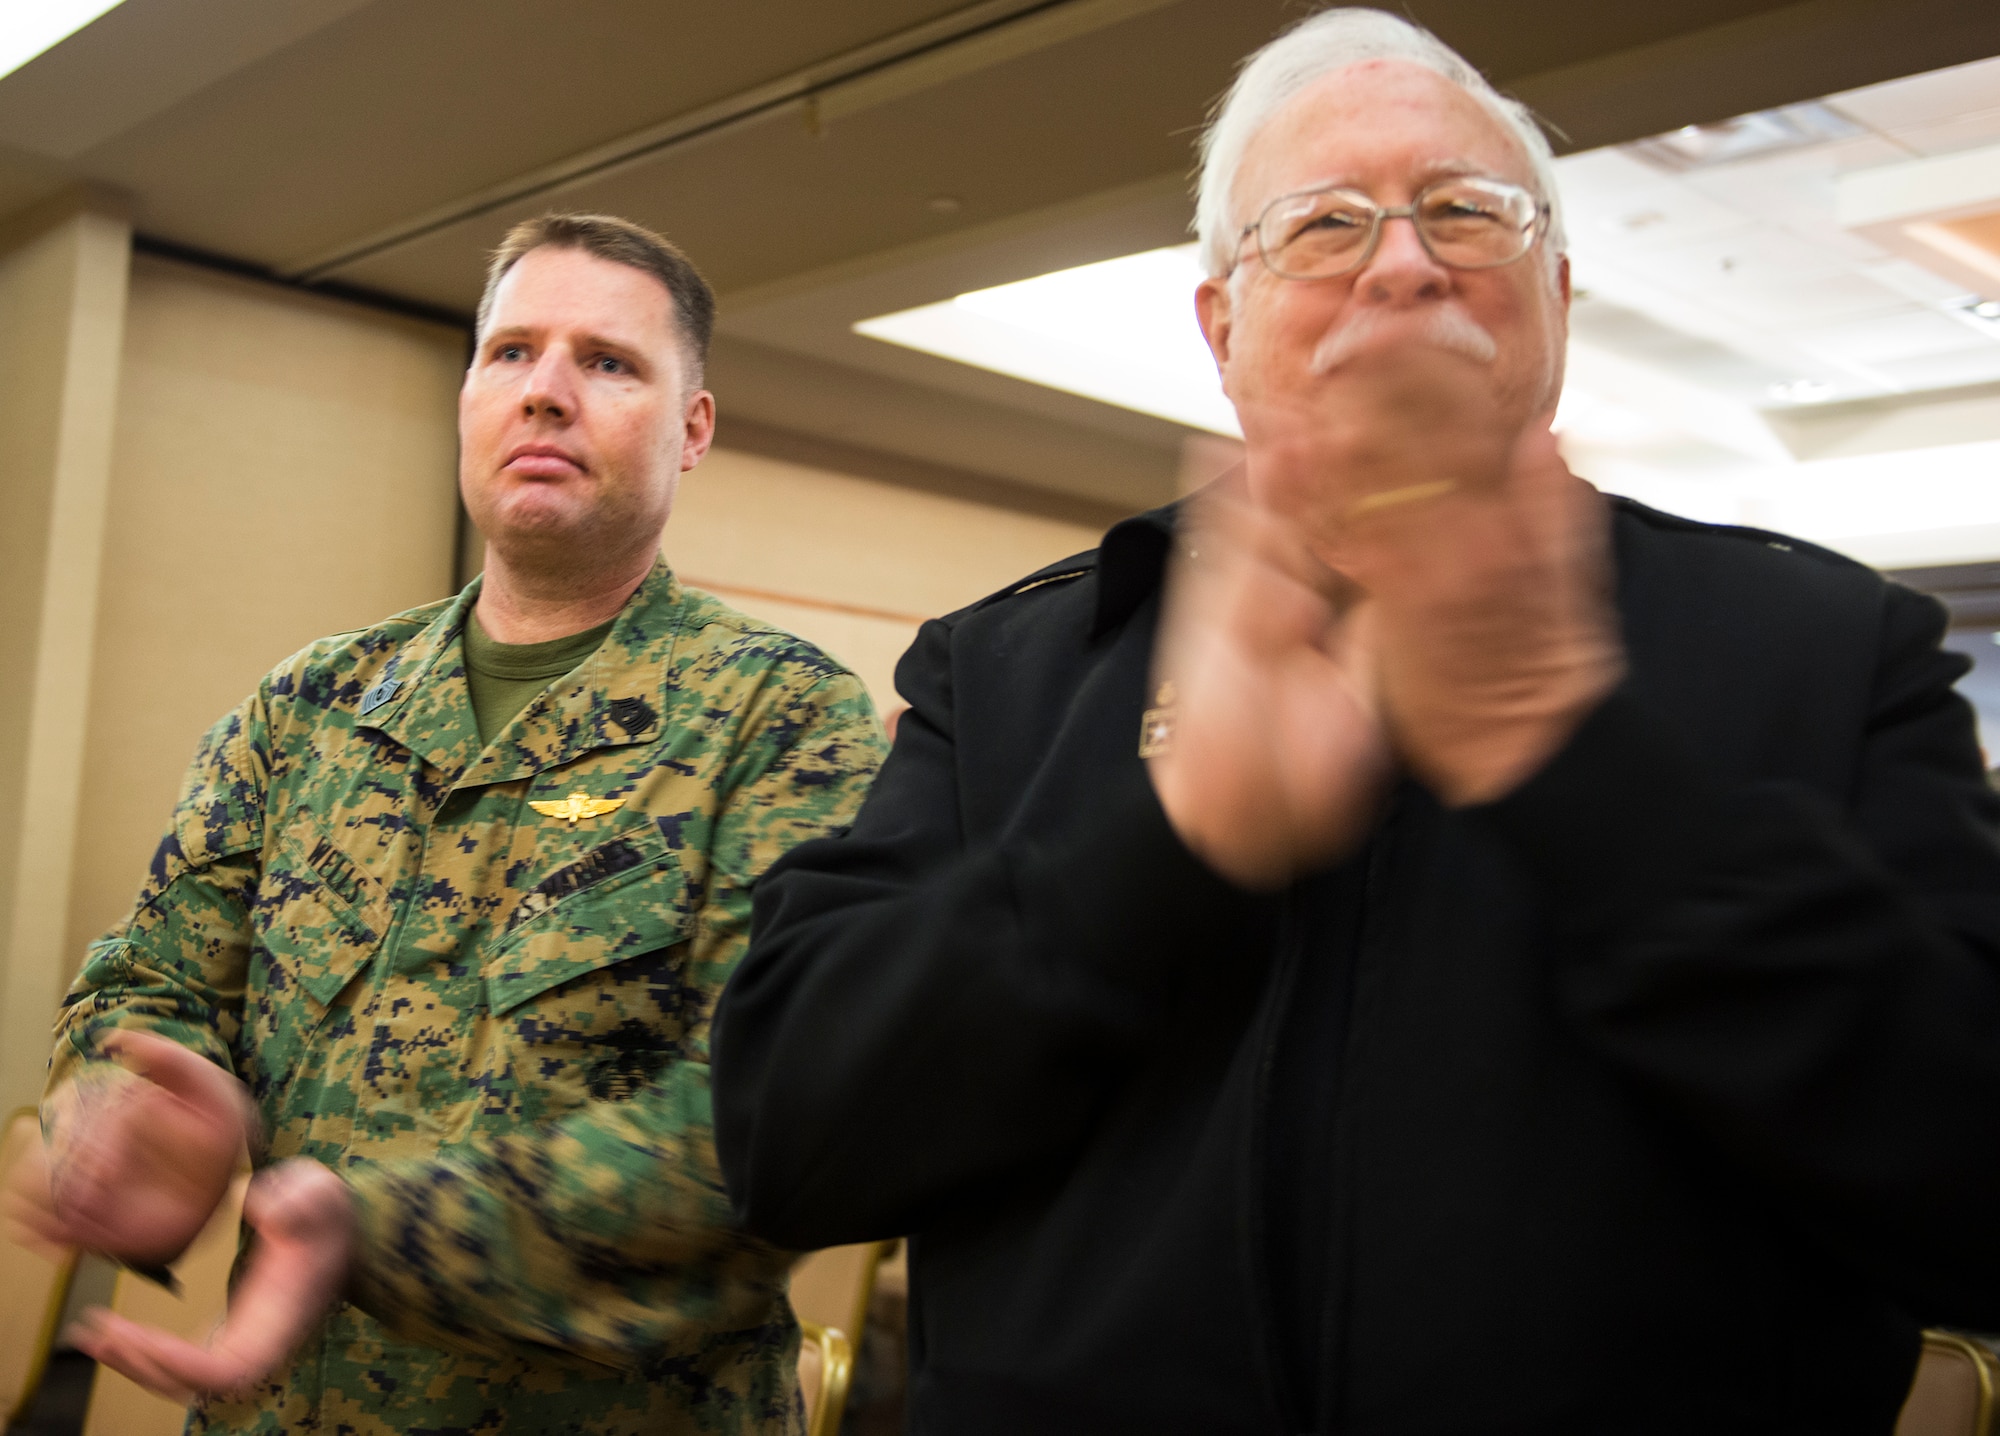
(1444, 327)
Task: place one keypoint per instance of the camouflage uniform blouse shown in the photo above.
(491, 1022)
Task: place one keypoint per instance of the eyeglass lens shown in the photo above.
(1468, 224)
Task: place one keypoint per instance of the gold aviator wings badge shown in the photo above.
(578, 806)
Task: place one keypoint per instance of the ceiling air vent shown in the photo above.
(1767, 132)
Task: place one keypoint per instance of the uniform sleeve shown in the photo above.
(1812, 987)
(921, 1018)
(607, 1234)
(176, 964)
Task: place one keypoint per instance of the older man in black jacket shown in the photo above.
(1410, 945)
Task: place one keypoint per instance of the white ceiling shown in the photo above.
(1751, 256)
(1858, 393)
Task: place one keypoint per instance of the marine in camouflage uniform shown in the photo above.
(491, 1022)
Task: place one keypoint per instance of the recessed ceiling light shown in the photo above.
(1984, 309)
(1802, 391)
(28, 30)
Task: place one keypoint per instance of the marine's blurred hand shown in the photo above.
(139, 1152)
(303, 1223)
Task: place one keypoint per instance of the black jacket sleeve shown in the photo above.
(917, 1014)
(1812, 987)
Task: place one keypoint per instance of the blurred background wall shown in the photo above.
(280, 469)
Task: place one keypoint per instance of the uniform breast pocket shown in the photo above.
(320, 918)
(587, 987)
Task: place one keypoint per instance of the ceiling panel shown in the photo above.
(1751, 259)
(1510, 41)
(1796, 190)
(140, 59)
(1962, 132)
(1885, 338)
(773, 199)
(1974, 364)
(402, 106)
(1922, 100)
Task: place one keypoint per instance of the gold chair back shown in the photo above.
(834, 1286)
(1954, 1393)
(37, 1286)
(121, 1407)
(826, 1370)
(830, 1292)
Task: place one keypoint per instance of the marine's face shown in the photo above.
(576, 418)
(1386, 128)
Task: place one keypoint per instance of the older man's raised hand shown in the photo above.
(139, 1152)
(1276, 758)
(1411, 574)
(1443, 498)
(1497, 634)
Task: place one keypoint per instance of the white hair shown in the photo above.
(1315, 47)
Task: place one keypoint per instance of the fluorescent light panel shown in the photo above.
(1121, 331)
(29, 27)
(1964, 241)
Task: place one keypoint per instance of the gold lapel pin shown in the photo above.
(1156, 726)
(578, 806)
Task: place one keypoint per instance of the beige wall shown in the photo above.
(283, 468)
(62, 304)
(859, 563)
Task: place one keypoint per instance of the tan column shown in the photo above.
(63, 276)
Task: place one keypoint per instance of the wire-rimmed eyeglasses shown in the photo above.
(1465, 222)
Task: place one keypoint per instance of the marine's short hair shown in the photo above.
(620, 241)
(1318, 45)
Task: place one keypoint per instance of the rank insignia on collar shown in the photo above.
(1156, 725)
(383, 691)
(577, 806)
(634, 715)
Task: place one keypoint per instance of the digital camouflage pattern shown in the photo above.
(492, 1023)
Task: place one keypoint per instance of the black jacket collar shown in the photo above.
(1131, 563)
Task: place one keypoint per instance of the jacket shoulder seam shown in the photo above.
(1041, 578)
(1742, 533)
(743, 629)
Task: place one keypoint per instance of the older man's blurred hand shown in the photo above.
(1405, 569)
(1277, 755)
(1497, 633)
